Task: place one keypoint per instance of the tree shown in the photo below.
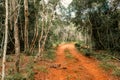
(46, 15)
(5, 42)
(103, 18)
(26, 45)
(16, 33)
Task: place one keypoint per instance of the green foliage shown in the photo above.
(107, 66)
(30, 74)
(49, 54)
(69, 56)
(55, 45)
(105, 29)
(78, 45)
(29, 70)
(15, 76)
(106, 62)
(102, 56)
(86, 52)
(110, 67)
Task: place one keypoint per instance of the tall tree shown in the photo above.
(6, 39)
(26, 46)
(16, 33)
(102, 22)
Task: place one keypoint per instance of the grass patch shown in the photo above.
(82, 48)
(29, 69)
(15, 76)
(102, 56)
(107, 66)
(68, 54)
(49, 55)
(116, 72)
(106, 62)
(42, 69)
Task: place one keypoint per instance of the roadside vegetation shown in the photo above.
(107, 59)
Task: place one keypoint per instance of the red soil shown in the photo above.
(77, 68)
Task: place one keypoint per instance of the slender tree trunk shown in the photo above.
(10, 12)
(5, 43)
(35, 36)
(17, 45)
(26, 46)
(16, 35)
(90, 36)
(39, 44)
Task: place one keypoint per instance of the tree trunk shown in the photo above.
(35, 35)
(16, 35)
(39, 44)
(119, 25)
(26, 46)
(5, 43)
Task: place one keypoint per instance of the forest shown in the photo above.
(59, 39)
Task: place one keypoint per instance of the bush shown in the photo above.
(78, 45)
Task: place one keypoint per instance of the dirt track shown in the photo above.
(78, 67)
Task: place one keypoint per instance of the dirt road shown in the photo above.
(71, 65)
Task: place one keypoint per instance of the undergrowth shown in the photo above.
(29, 70)
(80, 47)
(49, 55)
(116, 72)
(15, 76)
(107, 66)
(26, 72)
(42, 69)
(106, 62)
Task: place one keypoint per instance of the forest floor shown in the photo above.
(71, 65)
